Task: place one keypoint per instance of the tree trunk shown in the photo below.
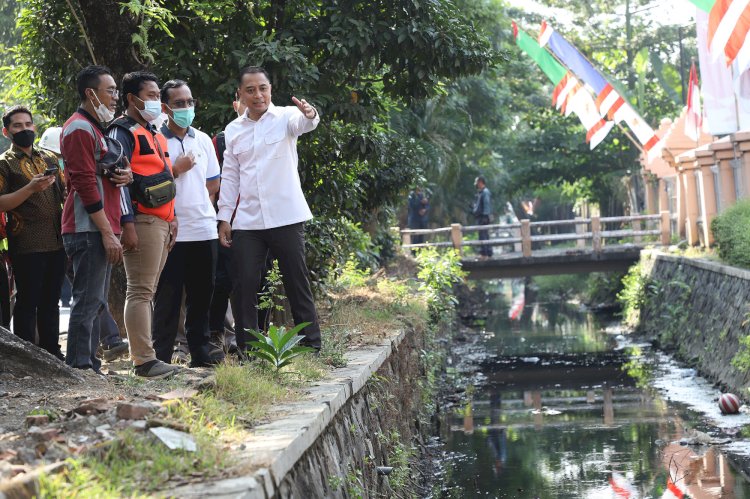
(110, 35)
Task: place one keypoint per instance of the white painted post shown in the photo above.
(457, 237)
(516, 232)
(666, 228)
(596, 231)
(526, 237)
(406, 239)
(580, 229)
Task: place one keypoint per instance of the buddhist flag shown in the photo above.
(694, 118)
(728, 27)
(569, 95)
(608, 100)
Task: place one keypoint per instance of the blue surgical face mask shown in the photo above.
(151, 109)
(183, 118)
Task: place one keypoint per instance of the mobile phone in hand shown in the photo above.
(52, 170)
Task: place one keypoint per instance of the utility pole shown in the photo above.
(682, 64)
(629, 46)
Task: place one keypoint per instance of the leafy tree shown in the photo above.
(355, 60)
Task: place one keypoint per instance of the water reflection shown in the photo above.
(574, 425)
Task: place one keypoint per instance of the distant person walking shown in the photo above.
(418, 213)
(482, 211)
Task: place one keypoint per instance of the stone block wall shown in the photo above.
(343, 461)
(701, 310)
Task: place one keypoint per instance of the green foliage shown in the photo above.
(133, 463)
(562, 287)
(43, 411)
(351, 275)
(270, 297)
(603, 287)
(741, 360)
(279, 347)
(635, 286)
(731, 232)
(438, 273)
(356, 61)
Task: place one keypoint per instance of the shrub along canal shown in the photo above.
(561, 404)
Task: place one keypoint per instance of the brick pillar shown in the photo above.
(724, 154)
(689, 193)
(708, 203)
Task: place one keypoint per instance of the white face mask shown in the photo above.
(151, 110)
(102, 111)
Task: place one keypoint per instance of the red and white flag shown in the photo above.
(694, 118)
(728, 26)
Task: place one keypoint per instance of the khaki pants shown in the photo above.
(143, 268)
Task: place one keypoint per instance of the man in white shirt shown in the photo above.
(191, 264)
(261, 181)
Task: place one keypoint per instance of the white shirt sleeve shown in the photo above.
(299, 124)
(230, 185)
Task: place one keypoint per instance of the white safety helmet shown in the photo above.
(51, 139)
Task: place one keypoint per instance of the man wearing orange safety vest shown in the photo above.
(149, 225)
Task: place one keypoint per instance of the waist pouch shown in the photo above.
(153, 191)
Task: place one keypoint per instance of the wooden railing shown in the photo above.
(524, 235)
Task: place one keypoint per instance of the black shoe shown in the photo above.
(111, 352)
(211, 360)
(58, 355)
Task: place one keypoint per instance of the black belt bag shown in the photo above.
(153, 191)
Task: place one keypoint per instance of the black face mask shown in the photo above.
(24, 138)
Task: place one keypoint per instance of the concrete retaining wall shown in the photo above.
(331, 443)
(701, 309)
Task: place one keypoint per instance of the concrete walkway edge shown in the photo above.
(274, 448)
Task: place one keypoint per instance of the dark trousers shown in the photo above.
(6, 276)
(484, 235)
(91, 273)
(222, 290)
(39, 279)
(190, 266)
(249, 252)
(104, 324)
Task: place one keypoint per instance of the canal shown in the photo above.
(558, 403)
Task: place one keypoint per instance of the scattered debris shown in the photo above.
(127, 410)
(37, 420)
(174, 439)
(179, 394)
(93, 406)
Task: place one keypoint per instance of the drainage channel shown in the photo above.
(560, 404)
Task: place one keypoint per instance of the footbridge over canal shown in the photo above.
(526, 248)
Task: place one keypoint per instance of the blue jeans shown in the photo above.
(91, 273)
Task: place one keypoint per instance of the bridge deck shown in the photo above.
(553, 261)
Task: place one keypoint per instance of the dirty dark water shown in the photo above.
(561, 405)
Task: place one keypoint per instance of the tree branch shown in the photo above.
(83, 32)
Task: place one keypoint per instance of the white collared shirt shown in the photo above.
(192, 205)
(260, 168)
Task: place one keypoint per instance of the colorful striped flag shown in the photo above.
(694, 118)
(569, 95)
(728, 27)
(609, 101)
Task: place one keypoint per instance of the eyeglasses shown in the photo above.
(182, 104)
(111, 91)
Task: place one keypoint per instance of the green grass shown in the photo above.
(242, 396)
(133, 464)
